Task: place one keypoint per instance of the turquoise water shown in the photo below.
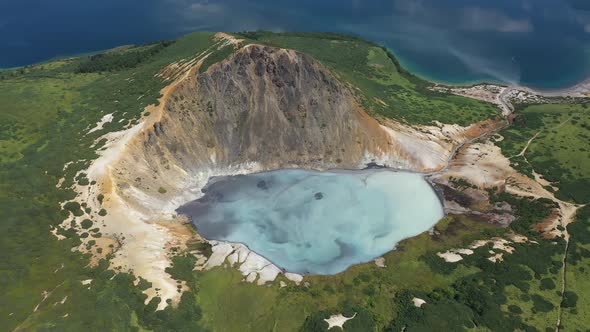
(316, 222)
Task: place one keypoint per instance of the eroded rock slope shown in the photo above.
(263, 108)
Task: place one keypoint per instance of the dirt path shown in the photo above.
(566, 220)
(505, 104)
(567, 211)
(46, 295)
(522, 152)
(563, 285)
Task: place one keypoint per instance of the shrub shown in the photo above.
(74, 207)
(547, 283)
(540, 304)
(182, 268)
(113, 61)
(86, 223)
(570, 299)
(514, 309)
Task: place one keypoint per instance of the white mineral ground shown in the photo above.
(418, 302)
(483, 165)
(338, 320)
(104, 120)
(581, 89)
(380, 261)
(142, 226)
(503, 96)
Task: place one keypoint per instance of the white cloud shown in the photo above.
(503, 71)
(480, 19)
(583, 19)
(205, 8)
(410, 7)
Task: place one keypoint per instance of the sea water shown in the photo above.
(316, 222)
(542, 43)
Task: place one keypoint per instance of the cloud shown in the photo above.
(443, 43)
(200, 8)
(228, 15)
(471, 18)
(482, 19)
(582, 19)
(410, 7)
(499, 70)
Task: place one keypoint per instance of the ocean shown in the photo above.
(540, 43)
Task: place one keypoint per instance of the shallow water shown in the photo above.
(316, 222)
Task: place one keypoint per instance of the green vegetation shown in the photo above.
(74, 207)
(229, 304)
(35, 103)
(86, 223)
(576, 303)
(121, 59)
(182, 268)
(559, 148)
(511, 294)
(384, 87)
(47, 109)
(558, 138)
(216, 57)
(492, 295)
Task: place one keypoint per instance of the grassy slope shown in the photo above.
(576, 314)
(561, 154)
(29, 104)
(49, 108)
(561, 150)
(45, 111)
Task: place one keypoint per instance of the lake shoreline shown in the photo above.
(204, 213)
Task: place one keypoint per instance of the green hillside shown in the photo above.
(559, 147)
(46, 110)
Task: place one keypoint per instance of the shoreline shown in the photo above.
(60, 57)
(578, 89)
(215, 241)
